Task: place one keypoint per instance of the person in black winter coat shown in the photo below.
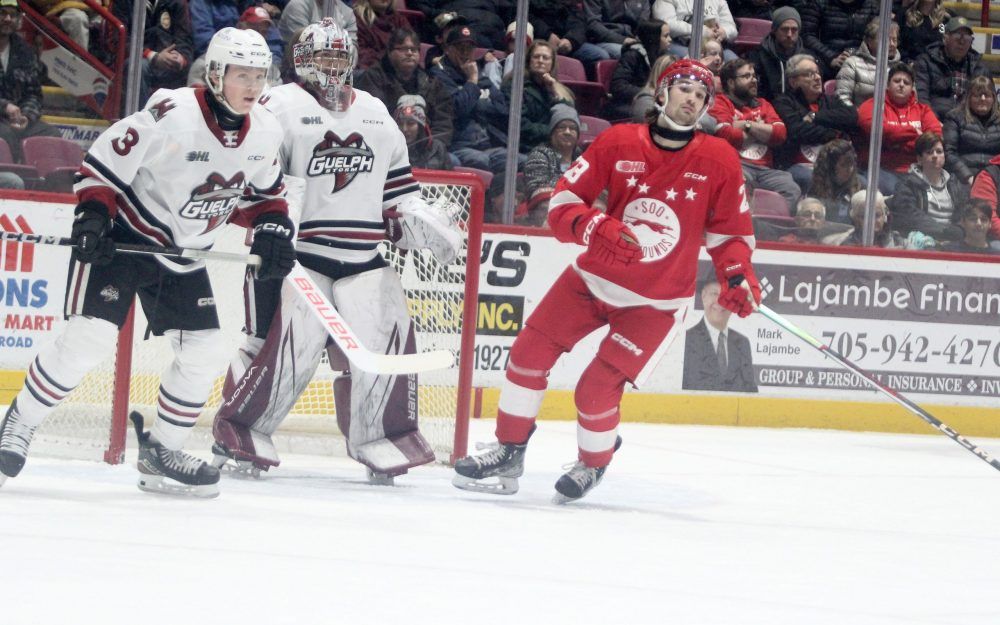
(168, 46)
(811, 118)
(769, 58)
(972, 131)
(942, 74)
(611, 24)
(833, 29)
(479, 136)
(755, 9)
(920, 26)
(563, 23)
(489, 16)
(927, 198)
(399, 73)
(633, 68)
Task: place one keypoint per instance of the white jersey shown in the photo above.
(354, 163)
(173, 176)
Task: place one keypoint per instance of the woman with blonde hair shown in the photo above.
(921, 26)
(972, 131)
(643, 101)
(542, 90)
(376, 22)
(856, 78)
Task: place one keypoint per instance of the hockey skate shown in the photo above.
(165, 471)
(15, 438)
(504, 461)
(241, 451)
(579, 480)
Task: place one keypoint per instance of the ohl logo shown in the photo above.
(214, 200)
(15, 256)
(345, 158)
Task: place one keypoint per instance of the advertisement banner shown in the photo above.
(929, 328)
(32, 280)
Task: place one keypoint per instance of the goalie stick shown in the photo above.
(895, 395)
(319, 305)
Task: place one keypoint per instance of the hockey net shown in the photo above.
(92, 423)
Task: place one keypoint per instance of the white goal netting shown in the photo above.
(442, 301)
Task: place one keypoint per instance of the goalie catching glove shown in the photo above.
(610, 241)
(739, 285)
(415, 224)
(91, 230)
(272, 241)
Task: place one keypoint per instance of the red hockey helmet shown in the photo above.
(684, 70)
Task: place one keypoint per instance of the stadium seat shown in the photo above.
(766, 203)
(485, 176)
(56, 159)
(570, 69)
(27, 173)
(830, 87)
(603, 72)
(750, 33)
(424, 47)
(590, 127)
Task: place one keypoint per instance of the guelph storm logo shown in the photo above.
(343, 157)
(214, 200)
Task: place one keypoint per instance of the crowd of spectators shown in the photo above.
(798, 106)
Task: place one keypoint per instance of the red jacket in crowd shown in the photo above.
(901, 125)
(984, 187)
(751, 151)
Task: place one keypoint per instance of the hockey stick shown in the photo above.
(127, 248)
(873, 381)
(318, 304)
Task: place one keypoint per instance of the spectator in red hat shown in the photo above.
(210, 16)
(257, 19)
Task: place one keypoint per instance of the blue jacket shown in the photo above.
(209, 16)
(480, 110)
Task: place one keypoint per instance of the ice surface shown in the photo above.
(692, 525)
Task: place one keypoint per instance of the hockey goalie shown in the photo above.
(358, 189)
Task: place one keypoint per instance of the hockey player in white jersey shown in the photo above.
(168, 175)
(353, 159)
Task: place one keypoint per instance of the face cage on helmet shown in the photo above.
(334, 86)
(669, 81)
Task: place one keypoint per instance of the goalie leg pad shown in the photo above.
(256, 403)
(377, 408)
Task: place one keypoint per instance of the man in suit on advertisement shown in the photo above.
(716, 358)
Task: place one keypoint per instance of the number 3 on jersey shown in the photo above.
(124, 144)
(573, 173)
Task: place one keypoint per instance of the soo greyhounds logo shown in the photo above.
(214, 200)
(345, 158)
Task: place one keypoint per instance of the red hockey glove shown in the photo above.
(611, 241)
(739, 284)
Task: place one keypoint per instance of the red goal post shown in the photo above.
(443, 302)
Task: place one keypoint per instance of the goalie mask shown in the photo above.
(232, 46)
(685, 73)
(324, 57)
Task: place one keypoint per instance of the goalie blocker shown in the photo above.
(376, 413)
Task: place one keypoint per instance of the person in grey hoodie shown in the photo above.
(856, 78)
(927, 197)
(770, 58)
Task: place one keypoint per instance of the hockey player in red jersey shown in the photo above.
(168, 175)
(668, 188)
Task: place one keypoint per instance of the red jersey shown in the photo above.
(901, 125)
(751, 150)
(670, 199)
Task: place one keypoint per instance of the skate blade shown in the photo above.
(3, 478)
(560, 499)
(503, 485)
(238, 469)
(164, 486)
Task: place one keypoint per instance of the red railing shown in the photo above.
(108, 103)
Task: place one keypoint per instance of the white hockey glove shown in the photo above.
(414, 224)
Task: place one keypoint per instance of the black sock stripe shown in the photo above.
(48, 403)
(179, 402)
(180, 424)
(48, 378)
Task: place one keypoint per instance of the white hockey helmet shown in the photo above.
(232, 46)
(325, 57)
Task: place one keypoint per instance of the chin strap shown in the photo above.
(676, 133)
(228, 120)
